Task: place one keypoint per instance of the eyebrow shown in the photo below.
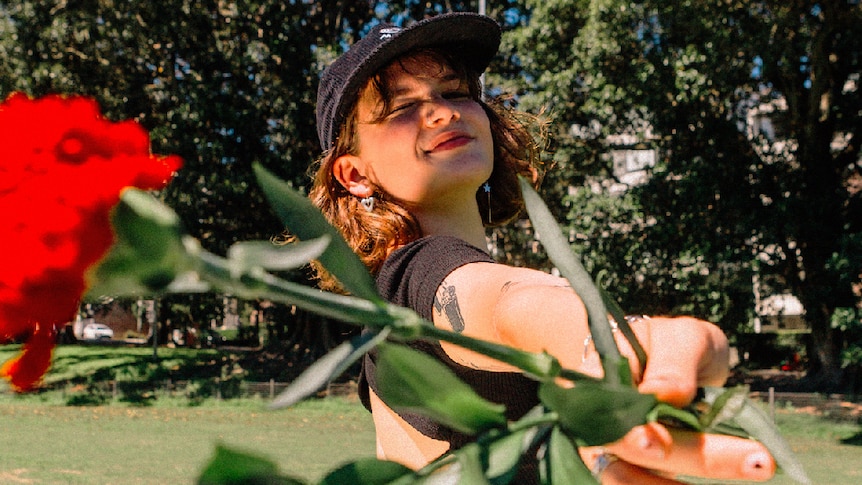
(400, 90)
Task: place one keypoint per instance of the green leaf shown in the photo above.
(258, 284)
(626, 329)
(758, 424)
(151, 249)
(570, 266)
(327, 368)
(244, 256)
(504, 454)
(230, 467)
(413, 381)
(597, 413)
(369, 471)
(564, 463)
(539, 366)
(469, 467)
(305, 221)
(733, 406)
(445, 469)
(725, 405)
(675, 417)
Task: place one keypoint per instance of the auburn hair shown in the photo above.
(373, 235)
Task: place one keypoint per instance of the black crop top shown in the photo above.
(410, 277)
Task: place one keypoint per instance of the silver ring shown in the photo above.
(614, 328)
(603, 461)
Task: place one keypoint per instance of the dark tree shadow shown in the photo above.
(855, 440)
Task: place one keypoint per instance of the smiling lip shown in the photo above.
(449, 141)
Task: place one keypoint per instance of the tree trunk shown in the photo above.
(824, 366)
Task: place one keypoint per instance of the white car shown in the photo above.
(97, 331)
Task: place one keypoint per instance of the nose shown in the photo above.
(439, 110)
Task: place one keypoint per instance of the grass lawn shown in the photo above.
(43, 443)
(831, 452)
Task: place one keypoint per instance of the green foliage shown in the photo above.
(412, 381)
(563, 463)
(368, 471)
(595, 414)
(157, 255)
(416, 382)
(848, 321)
(220, 84)
(231, 466)
(687, 79)
(306, 222)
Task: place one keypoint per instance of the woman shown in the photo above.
(415, 166)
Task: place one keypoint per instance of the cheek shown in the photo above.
(391, 139)
(486, 137)
(481, 122)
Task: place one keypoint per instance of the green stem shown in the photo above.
(570, 266)
(260, 284)
(404, 323)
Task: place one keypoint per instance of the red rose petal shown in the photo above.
(56, 219)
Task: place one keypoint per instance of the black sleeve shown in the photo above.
(411, 275)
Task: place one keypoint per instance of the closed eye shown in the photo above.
(402, 107)
(406, 105)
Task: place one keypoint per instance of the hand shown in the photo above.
(683, 354)
(653, 454)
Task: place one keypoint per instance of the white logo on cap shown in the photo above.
(387, 33)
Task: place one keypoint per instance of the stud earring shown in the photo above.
(487, 187)
(367, 202)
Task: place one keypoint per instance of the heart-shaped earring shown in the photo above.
(367, 202)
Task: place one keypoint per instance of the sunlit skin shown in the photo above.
(432, 153)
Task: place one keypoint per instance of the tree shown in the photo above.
(719, 197)
(222, 84)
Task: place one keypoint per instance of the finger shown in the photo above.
(618, 471)
(682, 452)
(685, 353)
(623, 473)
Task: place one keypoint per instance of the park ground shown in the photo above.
(169, 437)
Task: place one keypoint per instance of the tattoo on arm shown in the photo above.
(446, 304)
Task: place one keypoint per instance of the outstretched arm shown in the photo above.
(537, 312)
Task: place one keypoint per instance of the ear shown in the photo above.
(350, 173)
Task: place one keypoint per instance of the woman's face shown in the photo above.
(433, 145)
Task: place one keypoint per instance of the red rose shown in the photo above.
(62, 169)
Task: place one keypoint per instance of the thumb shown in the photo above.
(686, 353)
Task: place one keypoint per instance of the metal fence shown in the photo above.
(836, 406)
(134, 391)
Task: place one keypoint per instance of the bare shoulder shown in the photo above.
(495, 302)
(476, 287)
(492, 277)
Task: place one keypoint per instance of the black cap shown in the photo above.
(475, 37)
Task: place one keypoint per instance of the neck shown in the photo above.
(462, 221)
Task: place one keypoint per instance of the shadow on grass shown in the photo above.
(73, 361)
(94, 375)
(855, 440)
